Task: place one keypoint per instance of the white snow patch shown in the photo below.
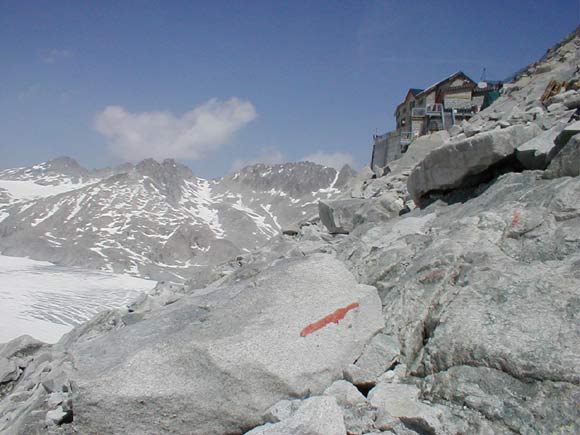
(197, 201)
(27, 190)
(267, 208)
(258, 219)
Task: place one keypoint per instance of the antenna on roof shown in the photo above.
(482, 81)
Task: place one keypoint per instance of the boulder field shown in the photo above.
(442, 298)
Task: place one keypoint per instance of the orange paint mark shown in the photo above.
(335, 317)
(432, 277)
(515, 218)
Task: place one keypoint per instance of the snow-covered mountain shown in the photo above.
(155, 220)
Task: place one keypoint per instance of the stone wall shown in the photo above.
(385, 150)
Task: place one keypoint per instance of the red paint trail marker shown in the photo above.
(515, 218)
(335, 317)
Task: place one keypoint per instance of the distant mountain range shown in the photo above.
(154, 219)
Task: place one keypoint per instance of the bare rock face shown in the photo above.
(221, 357)
(491, 284)
(567, 162)
(450, 166)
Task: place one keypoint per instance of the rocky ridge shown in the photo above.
(155, 220)
(417, 305)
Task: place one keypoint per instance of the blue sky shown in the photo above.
(221, 83)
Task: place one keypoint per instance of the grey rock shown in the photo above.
(401, 401)
(470, 129)
(504, 124)
(417, 152)
(8, 371)
(450, 166)
(359, 414)
(559, 98)
(345, 393)
(455, 130)
(537, 152)
(316, 416)
(382, 208)
(338, 216)
(519, 116)
(556, 107)
(567, 162)
(241, 344)
(377, 357)
(532, 408)
(58, 416)
(464, 285)
(536, 111)
(281, 410)
(291, 230)
(572, 100)
(23, 346)
(570, 130)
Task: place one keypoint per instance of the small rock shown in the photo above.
(470, 130)
(377, 357)
(556, 107)
(59, 416)
(337, 216)
(572, 101)
(401, 401)
(291, 230)
(281, 410)
(9, 371)
(316, 416)
(535, 112)
(455, 130)
(345, 393)
(56, 399)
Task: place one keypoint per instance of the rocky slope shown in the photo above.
(419, 304)
(155, 220)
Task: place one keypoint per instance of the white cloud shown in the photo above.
(332, 160)
(268, 156)
(53, 55)
(135, 136)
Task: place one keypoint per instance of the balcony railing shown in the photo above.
(431, 110)
(418, 112)
(435, 109)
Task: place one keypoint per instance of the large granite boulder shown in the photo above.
(417, 151)
(537, 152)
(567, 162)
(452, 165)
(213, 362)
(338, 216)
